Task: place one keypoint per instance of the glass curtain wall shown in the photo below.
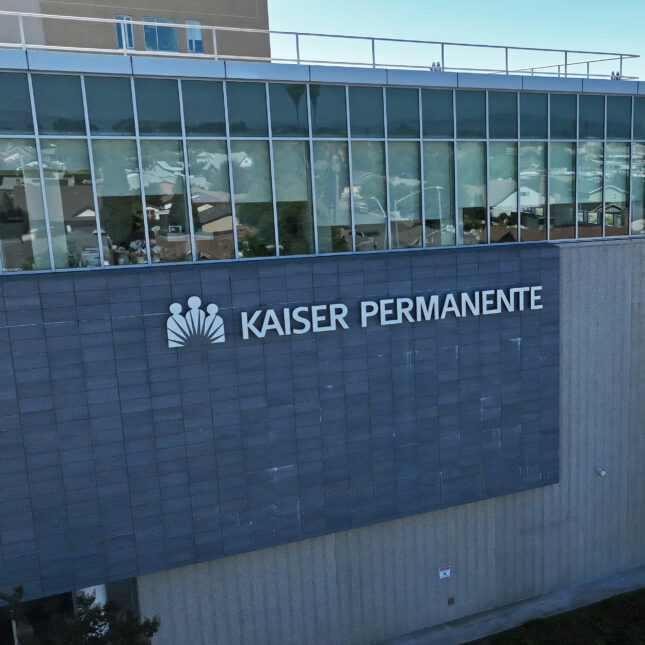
(199, 170)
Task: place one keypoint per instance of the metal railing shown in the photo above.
(372, 60)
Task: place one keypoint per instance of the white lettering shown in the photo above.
(337, 314)
(271, 322)
(450, 306)
(299, 318)
(536, 297)
(403, 308)
(249, 325)
(467, 302)
(286, 316)
(368, 309)
(318, 316)
(427, 309)
(509, 301)
(387, 310)
(488, 302)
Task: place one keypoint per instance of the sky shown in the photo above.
(616, 26)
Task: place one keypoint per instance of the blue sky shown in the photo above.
(615, 26)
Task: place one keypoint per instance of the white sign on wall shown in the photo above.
(306, 319)
(444, 572)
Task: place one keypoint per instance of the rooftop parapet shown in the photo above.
(50, 32)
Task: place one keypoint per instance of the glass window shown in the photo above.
(194, 39)
(638, 189)
(293, 197)
(15, 106)
(203, 108)
(158, 106)
(405, 194)
(533, 115)
(59, 104)
(166, 208)
(563, 116)
(289, 110)
(562, 183)
(328, 110)
(617, 189)
(619, 117)
(116, 168)
(70, 203)
(402, 113)
(439, 193)
(639, 118)
(592, 117)
(471, 115)
(533, 191)
(23, 235)
(333, 210)
(158, 38)
(247, 109)
(502, 187)
(590, 172)
(211, 196)
(438, 122)
(124, 29)
(502, 115)
(366, 112)
(370, 198)
(471, 192)
(109, 105)
(253, 198)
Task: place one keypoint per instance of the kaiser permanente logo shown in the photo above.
(209, 326)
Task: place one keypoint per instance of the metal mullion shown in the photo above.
(519, 150)
(488, 240)
(188, 194)
(314, 209)
(631, 161)
(90, 154)
(459, 230)
(142, 189)
(547, 206)
(604, 165)
(349, 162)
(41, 173)
(575, 175)
(386, 146)
(231, 186)
(422, 174)
(272, 170)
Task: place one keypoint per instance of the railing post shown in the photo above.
(443, 57)
(587, 69)
(123, 37)
(214, 42)
(566, 58)
(298, 49)
(621, 66)
(373, 52)
(506, 56)
(559, 66)
(21, 27)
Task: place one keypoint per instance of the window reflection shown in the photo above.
(533, 191)
(211, 197)
(15, 108)
(533, 115)
(438, 122)
(502, 115)
(370, 200)
(402, 113)
(590, 172)
(439, 193)
(23, 236)
(116, 168)
(471, 114)
(328, 110)
(59, 104)
(293, 197)
(253, 198)
(333, 210)
(366, 112)
(471, 191)
(109, 105)
(617, 189)
(638, 189)
(502, 178)
(562, 182)
(405, 195)
(289, 110)
(166, 208)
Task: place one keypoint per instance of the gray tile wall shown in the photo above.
(120, 456)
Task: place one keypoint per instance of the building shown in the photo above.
(317, 354)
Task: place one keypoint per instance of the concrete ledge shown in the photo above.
(490, 81)
(602, 86)
(500, 619)
(641, 87)
(551, 84)
(354, 75)
(266, 71)
(184, 67)
(420, 78)
(13, 59)
(82, 63)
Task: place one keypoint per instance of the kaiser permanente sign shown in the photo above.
(389, 311)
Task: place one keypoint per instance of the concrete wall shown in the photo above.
(250, 14)
(381, 581)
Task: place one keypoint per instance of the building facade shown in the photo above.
(317, 354)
